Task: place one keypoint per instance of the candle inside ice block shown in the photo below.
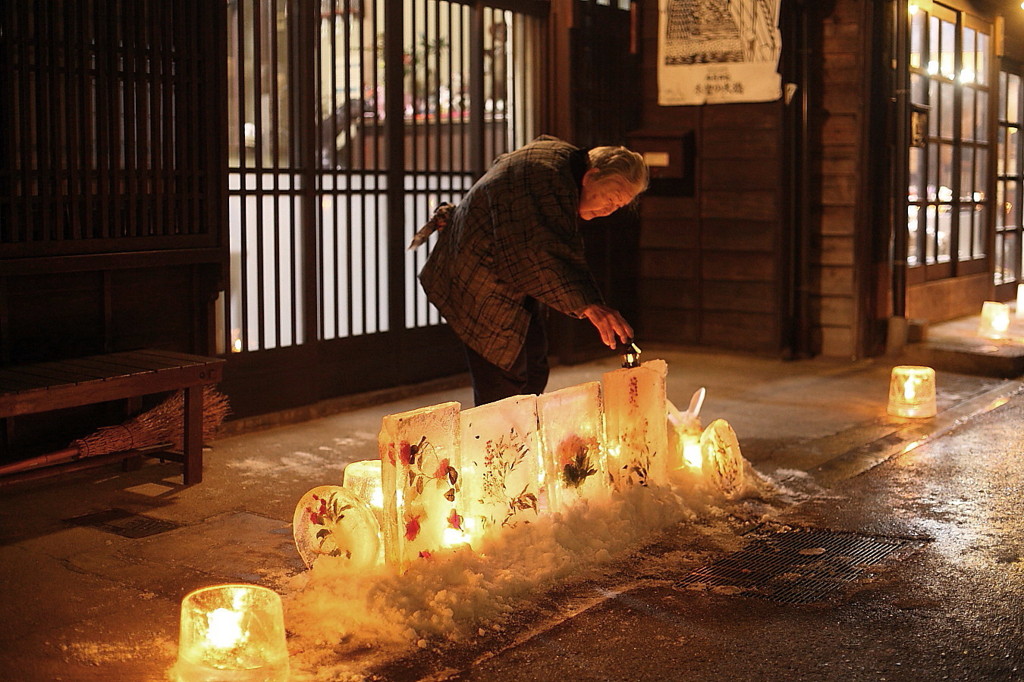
(572, 437)
(995, 320)
(912, 391)
(420, 462)
(500, 443)
(636, 430)
(232, 632)
(364, 479)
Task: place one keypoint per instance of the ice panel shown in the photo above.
(501, 463)
(636, 424)
(423, 504)
(571, 424)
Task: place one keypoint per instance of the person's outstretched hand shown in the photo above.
(610, 324)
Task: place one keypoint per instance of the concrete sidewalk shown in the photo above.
(98, 599)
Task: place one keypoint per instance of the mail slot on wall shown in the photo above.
(669, 158)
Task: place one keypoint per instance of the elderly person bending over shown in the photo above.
(512, 248)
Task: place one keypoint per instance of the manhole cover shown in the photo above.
(798, 566)
(124, 523)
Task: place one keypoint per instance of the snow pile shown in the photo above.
(452, 594)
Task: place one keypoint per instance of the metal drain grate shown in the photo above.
(798, 566)
(124, 523)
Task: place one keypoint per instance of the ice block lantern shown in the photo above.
(501, 457)
(995, 320)
(572, 444)
(419, 452)
(912, 391)
(232, 632)
(636, 428)
(364, 479)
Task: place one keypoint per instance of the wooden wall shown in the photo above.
(712, 253)
(744, 261)
(839, 131)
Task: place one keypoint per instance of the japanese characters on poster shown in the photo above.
(715, 51)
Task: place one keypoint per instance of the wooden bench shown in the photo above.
(45, 386)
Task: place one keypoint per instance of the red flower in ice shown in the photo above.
(454, 520)
(391, 453)
(426, 555)
(412, 527)
(442, 469)
(405, 452)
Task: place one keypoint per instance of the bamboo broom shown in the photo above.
(162, 425)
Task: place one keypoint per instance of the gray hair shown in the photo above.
(622, 162)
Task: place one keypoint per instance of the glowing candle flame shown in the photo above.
(910, 388)
(995, 320)
(224, 628)
(453, 537)
(692, 454)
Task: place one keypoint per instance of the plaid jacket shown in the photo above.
(515, 234)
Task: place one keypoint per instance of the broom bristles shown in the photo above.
(162, 424)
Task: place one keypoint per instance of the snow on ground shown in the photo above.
(458, 593)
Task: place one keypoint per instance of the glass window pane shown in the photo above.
(966, 233)
(917, 39)
(933, 45)
(1001, 151)
(947, 56)
(943, 234)
(967, 121)
(933, 115)
(1011, 204)
(980, 174)
(933, 172)
(968, 68)
(981, 116)
(1010, 269)
(1001, 205)
(980, 213)
(946, 110)
(966, 174)
(1013, 98)
(946, 171)
(916, 173)
(1003, 77)
(981, 62)
(914, 235)
(999, 275)
(931, 219)
(1012, 151)
(918, 89)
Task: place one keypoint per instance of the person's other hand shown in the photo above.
(610, 324)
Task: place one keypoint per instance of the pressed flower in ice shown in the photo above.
(412, 527)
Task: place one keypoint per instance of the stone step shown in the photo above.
(999, 358)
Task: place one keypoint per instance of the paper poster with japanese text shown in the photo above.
(716, 51)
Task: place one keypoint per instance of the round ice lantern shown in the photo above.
(912, 391)
(364, 479)
(232, 633)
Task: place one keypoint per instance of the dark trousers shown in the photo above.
(528, 375)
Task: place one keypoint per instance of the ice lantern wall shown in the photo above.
(572, 433)
(636, 428)
(501, 462)
(419, 452)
